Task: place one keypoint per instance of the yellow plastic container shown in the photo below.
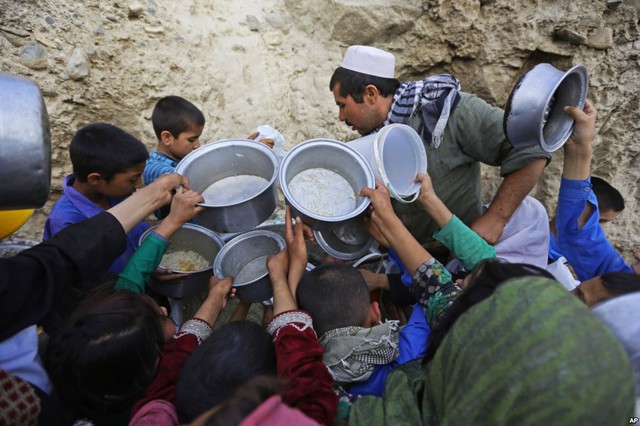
(12, 220)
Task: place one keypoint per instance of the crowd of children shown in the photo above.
(492, 338)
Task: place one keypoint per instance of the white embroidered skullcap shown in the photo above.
(369, 60)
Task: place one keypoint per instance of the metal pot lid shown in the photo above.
(534, 114)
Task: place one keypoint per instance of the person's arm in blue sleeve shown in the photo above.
(580, 236)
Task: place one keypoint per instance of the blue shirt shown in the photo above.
(157, 164)
(586, 249)
(73, 207)
(412, 345)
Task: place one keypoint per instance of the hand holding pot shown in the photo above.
(296, 248)
(219, 292)
(278, 266)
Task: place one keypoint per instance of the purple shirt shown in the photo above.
(73, 207)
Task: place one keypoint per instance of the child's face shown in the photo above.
(185, 142)
(124, 183)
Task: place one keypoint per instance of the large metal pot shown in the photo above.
(245, 259)
(331, 155)
(195, 238)
(223, 159)
(535, 115)
(25, 145)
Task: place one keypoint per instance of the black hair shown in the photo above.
(485, 279)
(352, 83)
(245, 400)
(105, 356)
(175, 115)
(335, 295)
(231, 356)
(609, 198)
(106, 149)
(619, 283)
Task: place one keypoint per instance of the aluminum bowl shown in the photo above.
(233, 157)
(25, 145)
(195, 238)
(332, 155)
(535, 115)
(349, 242)
(244, 258)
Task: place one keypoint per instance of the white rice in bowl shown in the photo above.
(184, 260)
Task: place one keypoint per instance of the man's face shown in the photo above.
(363, 117)
(124, 183)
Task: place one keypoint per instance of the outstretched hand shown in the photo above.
(297, 249)
(585, 125)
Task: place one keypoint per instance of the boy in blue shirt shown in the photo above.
(107, 167)
(178, 125)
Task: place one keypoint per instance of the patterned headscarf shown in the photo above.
(351, 353)
(434, 99)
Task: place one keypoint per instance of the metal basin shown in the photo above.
(25, 145)
(349, 241)
(331, 155)
(244, 258)
(195, 238)
(535, 115)
(228, 158)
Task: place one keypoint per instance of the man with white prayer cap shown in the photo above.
(459, 131)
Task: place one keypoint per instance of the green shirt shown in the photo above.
(474, 135)
(144, 261)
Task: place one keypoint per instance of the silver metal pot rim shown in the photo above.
(324, 245)
(217, 264)
(340, 146)
(225, 143)
(524, 120)
(206, 231)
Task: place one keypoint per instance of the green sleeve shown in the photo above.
(143, 263)
(468, 247)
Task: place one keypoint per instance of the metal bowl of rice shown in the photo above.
(192, 251)
(237, 179)
(321, 179)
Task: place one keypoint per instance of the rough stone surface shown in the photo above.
(601, 39)
(279, 75)
(78, 65)
(34, 55)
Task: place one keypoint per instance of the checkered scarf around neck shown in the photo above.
(434, 98)
(351, 353)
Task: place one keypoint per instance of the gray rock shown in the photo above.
(98, 31)
(77, 22)
(78, 65)
(274, 20)
(601, 39)
(112, 18)
(90, 51)
(15, 40)
(253, 23)
(49, 20)
(136, 9)
(34, 55)
(566, 34)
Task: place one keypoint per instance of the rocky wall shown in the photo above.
(250, 62)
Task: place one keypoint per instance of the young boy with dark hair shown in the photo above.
(107, 166)
(178, 125)
(359, 350)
